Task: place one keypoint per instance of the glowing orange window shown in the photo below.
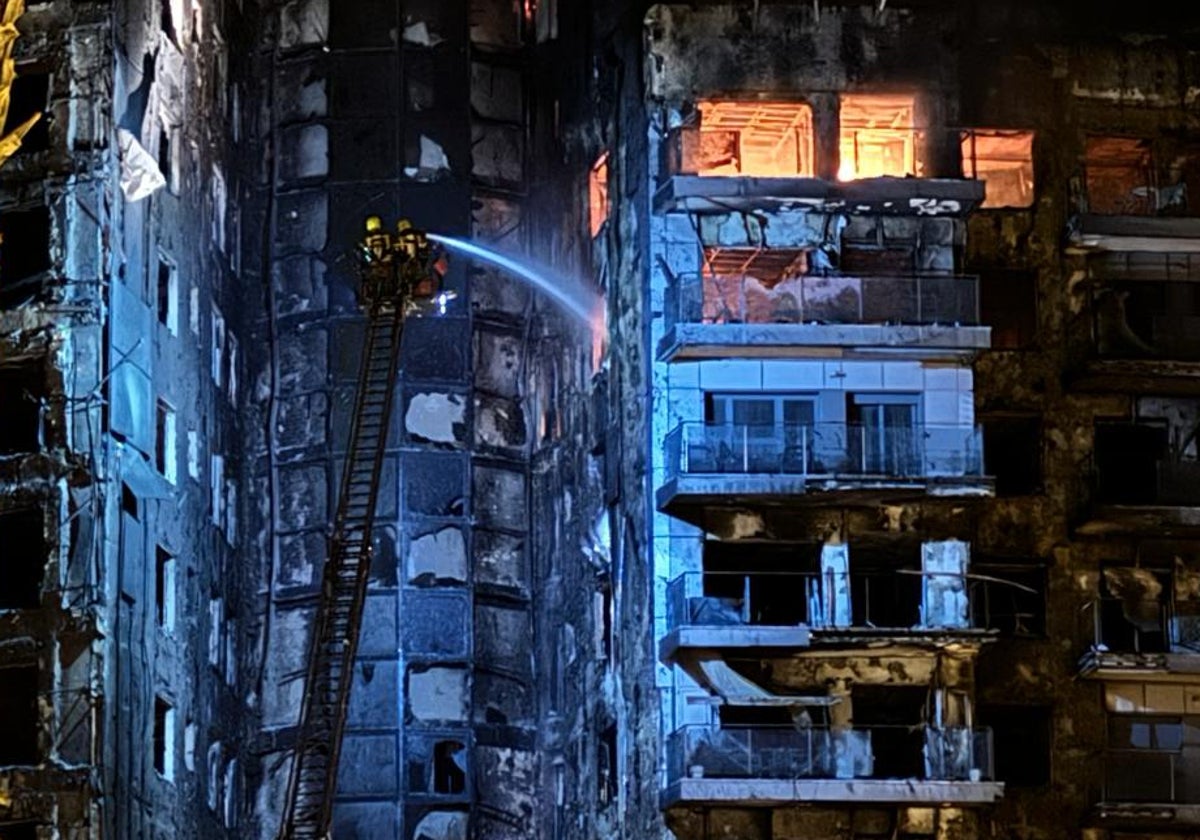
(598, 195)
(1003, 160)
(878, 136)
(765, 139)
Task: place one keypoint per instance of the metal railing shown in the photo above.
(882, 600)
(825, 450)
(1146, 319)
(1145, 775)
(951, 753)
(1142, 625)
(700, 298)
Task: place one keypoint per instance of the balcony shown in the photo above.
(1147, 788)
(713, 316)
(1146, 335)
(796, 610)
(1148, 640)
(736, 465)
(772, 766)
(1140, 486)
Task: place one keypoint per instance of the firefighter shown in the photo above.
(375, 254)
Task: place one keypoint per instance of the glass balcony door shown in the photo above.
(883, 434)
(769, 432)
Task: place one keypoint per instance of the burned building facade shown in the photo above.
(923, 433)
(863, 507)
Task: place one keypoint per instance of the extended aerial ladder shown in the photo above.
(399, 275)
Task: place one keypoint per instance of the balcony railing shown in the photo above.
(1151, 776)
(1142, 626)
(812, 299)
(918, 752)
(883, 600)
(825, 450)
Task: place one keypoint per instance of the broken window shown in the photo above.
(1119, 176)
(22, 393)
(164, 738)
(22, 571)
(895, 716)
(1009, 596)
(1145, 319)
(1134, 613)
(1150, 459)
(762, 139)
(1021, 743)
(598, 208)
(1008, 304)
(449, 767)
(19, 723)
(1003, 160)
(1152, 759)
(164, 589)
(878, 137)
(165, 444)
(29, 95)
(24, 254)
(168, 295)
(1012, 453)
(885, 587)
(752, 285)
(778, 587)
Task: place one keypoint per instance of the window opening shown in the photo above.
(24, 254)
(878, 137)
(895, 716)
(22, 394)
(885, 587)
(780, 586)
(164, 588)
(1003, 160)
(1012, 452)
(1020, 743)
(164, 738)
(19, 725)
(1009, 597)
(449, 767)
(25, 558)
(29, 95)
(165, 444)
(1119, 176)
(168, 295)
(1008, 304)
(598, 208)
(749, 138)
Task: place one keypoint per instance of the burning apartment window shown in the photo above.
(1009, 596)
(22, 393)
(1118, 176)
(24, 566)
(165, 443)
(24, 254)
(598, 208)
(164, 739)
(764, 139)
(29, 95)
(1021, 743)
(1008, 304)
(1012, 452)
(1003, 160)
(168, 295)
(19, 723)
(164, 589)
(878, 137)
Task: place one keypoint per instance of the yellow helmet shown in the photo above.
(403, 225)
(374, 224)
